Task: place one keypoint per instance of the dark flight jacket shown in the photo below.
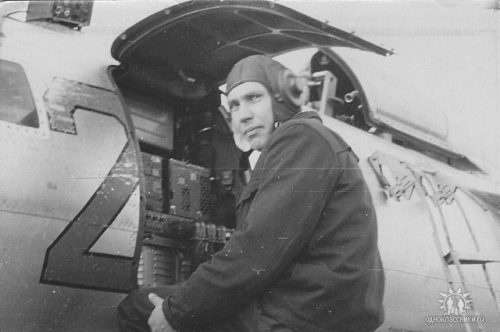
(304, 256)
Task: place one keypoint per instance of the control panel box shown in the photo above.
(155, 184)
(75, 12)
(153, 165)
(169, 226)
(190, 190)
(155, 194)
(160, 266)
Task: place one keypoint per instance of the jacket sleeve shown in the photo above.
(297, 176)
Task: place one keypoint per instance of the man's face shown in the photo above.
(250, 104)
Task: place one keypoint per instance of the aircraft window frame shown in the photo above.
(31, 123)
(351, 112)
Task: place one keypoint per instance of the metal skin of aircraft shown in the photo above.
(119, 170)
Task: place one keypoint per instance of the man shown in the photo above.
(304, 256)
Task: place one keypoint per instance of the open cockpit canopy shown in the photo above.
(187, 48)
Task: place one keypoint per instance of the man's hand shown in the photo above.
(157, 321)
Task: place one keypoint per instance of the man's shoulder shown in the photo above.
(309, 119)
(310, 122)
